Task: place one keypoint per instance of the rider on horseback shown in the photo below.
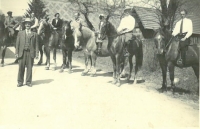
(126, 27)
(183, 30)
(35, 23)
(10, 24)
(57, 26)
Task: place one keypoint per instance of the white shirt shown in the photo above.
(128, 23)
(36, 23)
(187, 27)
(28, 32)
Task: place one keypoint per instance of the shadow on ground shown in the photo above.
(39, 82)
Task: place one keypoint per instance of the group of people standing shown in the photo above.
(27, 40)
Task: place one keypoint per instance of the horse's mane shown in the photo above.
(113, 31)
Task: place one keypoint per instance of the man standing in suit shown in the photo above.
(27, 49)
(57, 26)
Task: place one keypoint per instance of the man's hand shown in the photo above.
(183, 39)
(16, 55)
(55, 28)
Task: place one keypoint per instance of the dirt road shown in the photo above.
(71, 101)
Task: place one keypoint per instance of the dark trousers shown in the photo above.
(183, 47)
(25, 61)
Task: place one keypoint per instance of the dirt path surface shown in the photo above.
(71, 101)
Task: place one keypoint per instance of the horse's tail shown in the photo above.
(139, 55)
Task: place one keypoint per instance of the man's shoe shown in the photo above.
(29, 84)
(19, 85)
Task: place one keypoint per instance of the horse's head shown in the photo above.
(159, 42)
(66, 28)
(76, 28)
(104, 28)
(42, 26)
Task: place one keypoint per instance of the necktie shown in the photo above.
(181, 28)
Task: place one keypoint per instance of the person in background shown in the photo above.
(57, 26)
(27, 48)
(10, 23)
(183, 29)
(35, 23)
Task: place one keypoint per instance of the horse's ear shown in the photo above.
(107, 18)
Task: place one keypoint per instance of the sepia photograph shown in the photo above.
(99, 64)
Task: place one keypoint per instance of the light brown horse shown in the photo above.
(85, 37)
(167, 52)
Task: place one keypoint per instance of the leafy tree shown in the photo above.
(37, 7)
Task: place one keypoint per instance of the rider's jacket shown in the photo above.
(57, 23)
(9, 22)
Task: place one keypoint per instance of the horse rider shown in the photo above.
(35, 22)
(183, 29)
(126, 26)
(10, 24)
(57, 26)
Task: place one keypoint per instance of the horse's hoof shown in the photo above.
(83, 74)
(46, 68)
(122, 76)
(162, 89)
(54, 68)
(39, 63)
(92, 75)
(2, 65)
(69, 71)
(114, 82)
(61, 70)
(118, 84)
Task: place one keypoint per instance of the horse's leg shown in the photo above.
(70, 60)
(54, 58)
(86, 70)
(48, 57)
(41, 55)
(123, 68)
(163, 66)
(171, 75)
(118, 62)
(45, 52)
(196, 71)
(93, 66)
(114, 69)
(131, 67)
(3, 55)
(64, 60)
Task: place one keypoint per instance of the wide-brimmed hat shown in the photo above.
(27, 20)
(9, 12)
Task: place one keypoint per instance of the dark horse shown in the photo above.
(48, 36)
(67, 46)
(116, 48)
(6, 40)
(167, 53)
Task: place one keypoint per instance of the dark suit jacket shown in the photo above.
(58, 25)
(20, 43)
